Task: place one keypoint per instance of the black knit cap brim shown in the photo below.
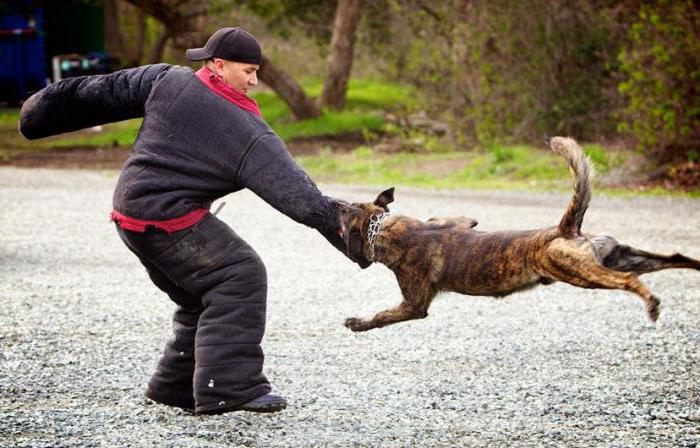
(233, 44)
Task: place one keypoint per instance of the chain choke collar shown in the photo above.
(375, 225)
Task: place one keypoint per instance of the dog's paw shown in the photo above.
(653, 309)
(355, 324)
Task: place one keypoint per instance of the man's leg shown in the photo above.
(228, 370)
(212, 262)
(172, 382)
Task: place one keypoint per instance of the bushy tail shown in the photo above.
(582, 172)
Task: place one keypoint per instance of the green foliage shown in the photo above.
(313, 16)
(601, 158)
(538, 73)
(500, 70)
(661, 64)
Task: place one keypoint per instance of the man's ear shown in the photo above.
(385, 198)
(218, 67)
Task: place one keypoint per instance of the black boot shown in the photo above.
(264, 403)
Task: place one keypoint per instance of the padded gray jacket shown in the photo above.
(193, 147)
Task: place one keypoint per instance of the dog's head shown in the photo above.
(354, 221)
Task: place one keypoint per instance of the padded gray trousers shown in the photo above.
(214, 360)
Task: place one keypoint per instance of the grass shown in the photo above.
(503, 167)
(524, 167)
(365, 101)
(115, 134)
(9, 117)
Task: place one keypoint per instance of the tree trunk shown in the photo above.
(347, 17)
(114, 39)
(156, 55)
(181, 17)
(287, 88)
(459, 97)
(136, 53)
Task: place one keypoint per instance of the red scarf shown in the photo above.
(218, 86)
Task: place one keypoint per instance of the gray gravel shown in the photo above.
(81, 329)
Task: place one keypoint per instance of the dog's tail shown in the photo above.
(582, 172)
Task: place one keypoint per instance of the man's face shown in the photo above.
(239, 75)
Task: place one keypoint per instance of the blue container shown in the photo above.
(22, 55)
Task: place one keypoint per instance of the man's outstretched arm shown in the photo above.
(270, 172)
(86, 101)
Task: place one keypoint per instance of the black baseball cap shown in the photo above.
(233, 44)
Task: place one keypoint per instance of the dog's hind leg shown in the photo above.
(628, 259)
(580, 268)
(417, 299)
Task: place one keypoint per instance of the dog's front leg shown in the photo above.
(404, 311)
(418, 294)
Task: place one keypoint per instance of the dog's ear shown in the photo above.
(385, 198)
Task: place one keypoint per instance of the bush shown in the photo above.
(501, 70)
(661, 64)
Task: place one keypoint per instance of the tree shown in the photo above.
(340, 57)
(183, 19)
(184, 25)
(301, 105)
(314, 18)
(130, 50)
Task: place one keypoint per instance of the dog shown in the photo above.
(447, 254)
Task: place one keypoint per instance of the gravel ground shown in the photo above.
(81, 329)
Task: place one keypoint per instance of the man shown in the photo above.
(202, 137)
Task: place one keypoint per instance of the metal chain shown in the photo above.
(375, 225)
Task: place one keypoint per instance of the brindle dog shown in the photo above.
(447, 254)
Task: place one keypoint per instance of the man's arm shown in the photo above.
(270, 172)
(86, 101)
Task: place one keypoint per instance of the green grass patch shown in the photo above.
(330, 123)
(116, 134)
(504, 167)
(370, 94)
(513, 167)
(364, 101)
(9, 118)
(273, 109)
